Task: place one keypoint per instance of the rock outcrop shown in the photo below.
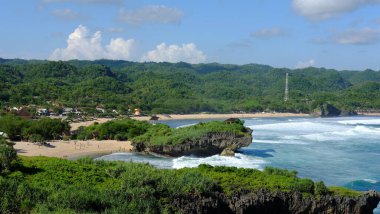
(328, 110)
(210, 144)
(263, 201)
(228, 152)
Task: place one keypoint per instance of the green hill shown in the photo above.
(181, 87)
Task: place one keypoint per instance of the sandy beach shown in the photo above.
(76, 125)
(73, 149)
(219, 116)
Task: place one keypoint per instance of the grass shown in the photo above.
(342, 191)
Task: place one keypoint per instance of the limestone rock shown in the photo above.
(210, 144)
(227, 152)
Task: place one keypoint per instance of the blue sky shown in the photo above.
(341, 34)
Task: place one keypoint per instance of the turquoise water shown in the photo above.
(342, 151)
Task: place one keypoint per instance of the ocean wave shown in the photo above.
(360, 122)
(364, 185)
(239, 160)
(304, 126)
(280, 142)
(187, 125)
(355, 132)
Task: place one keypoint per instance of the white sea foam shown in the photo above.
(370, 181)
(360, 122)
(280, 142)
(296, 127)
(355, 132)
(239, 160)
(187, 125)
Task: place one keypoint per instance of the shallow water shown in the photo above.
(342, 151)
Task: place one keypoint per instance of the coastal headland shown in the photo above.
(76, 148)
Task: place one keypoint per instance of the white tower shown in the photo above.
(286, 98)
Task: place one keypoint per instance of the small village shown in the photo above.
(70, 114)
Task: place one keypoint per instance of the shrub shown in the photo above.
(7, 155)
(36, 138)
(320, 188)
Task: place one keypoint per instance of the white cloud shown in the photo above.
(364, 36)
(82, 45)
(67, 15)
(357, 37)
(109, 2)
(115, 30)
(325, 9)
(269, 33)
(305, 64)
(151, 14)
(174, 53)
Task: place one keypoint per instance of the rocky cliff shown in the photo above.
(209, 144)
(328, 110)
(263, 201)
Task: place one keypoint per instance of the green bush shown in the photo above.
(36, 138)
(8, 155)
(320, 188)
(18, 128)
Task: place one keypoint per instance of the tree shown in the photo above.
(7, 155)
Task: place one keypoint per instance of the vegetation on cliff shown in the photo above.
(47, 185)
(164, 135)
(157, 134)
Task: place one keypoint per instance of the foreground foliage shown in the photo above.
(7, 155)
(46, 185)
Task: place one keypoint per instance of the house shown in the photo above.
(137, 112)
(99, 109)
(3, 135)
(43, 111)
(24, 113)
(67, 111)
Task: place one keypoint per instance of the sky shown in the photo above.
(339, 34)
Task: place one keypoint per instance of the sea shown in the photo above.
(340, 151)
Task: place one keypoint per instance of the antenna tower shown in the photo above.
(286, 98)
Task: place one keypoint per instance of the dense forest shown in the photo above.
(182, 87)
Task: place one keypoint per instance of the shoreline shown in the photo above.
(218, 116)
(164, 117)
(73, 149)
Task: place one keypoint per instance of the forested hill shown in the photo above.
(182, 87)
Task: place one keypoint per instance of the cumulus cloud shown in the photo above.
(152, 14)
(325, 9)
(175, 53)
(68, 15)
(269, 33)
(81, 44)
(109, 2)
(305, 64)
